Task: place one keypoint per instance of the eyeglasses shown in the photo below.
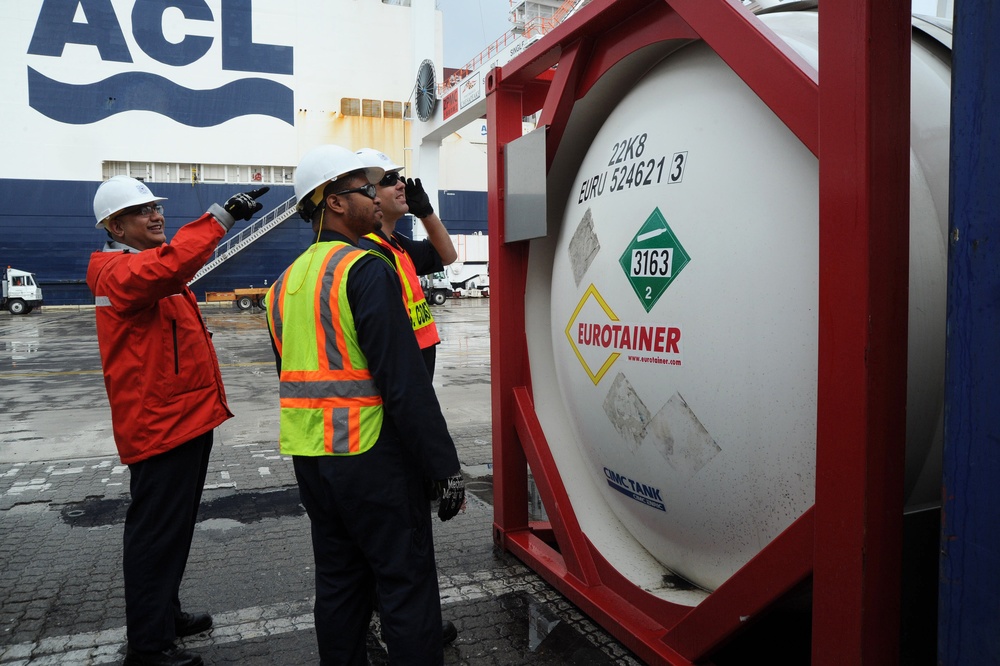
(367, 189)
(390, 179)
(143, 211)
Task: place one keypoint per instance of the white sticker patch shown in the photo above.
(676, 432)
(626, 411)
(583, 247)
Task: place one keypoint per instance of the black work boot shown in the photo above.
(189, 624)
(448, 632)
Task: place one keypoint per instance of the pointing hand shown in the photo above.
(242, 206)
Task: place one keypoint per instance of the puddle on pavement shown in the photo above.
(249, 507)
(94, 512)
(481, 485)
(243, 507)
(522, 630)
(530, 626)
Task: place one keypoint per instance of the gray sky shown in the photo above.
(470, 26)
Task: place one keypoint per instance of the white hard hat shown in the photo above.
(117, 194)
(323, 164)
(376, 158)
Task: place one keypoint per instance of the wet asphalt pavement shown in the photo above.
(63, 494)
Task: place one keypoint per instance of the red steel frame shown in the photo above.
(857, 124)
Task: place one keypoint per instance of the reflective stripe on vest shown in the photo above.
(274, 314)
(413, 295)
(329, 402)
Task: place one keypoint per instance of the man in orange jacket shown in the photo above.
(166, 394)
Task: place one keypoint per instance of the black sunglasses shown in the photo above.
(390, 179)
(367, 189)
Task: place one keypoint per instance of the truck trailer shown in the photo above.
(21, 293)
(245, 298)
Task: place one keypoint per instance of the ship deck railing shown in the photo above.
(248, 235)
(533, 28)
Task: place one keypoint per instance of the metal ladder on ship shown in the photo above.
(245, 237)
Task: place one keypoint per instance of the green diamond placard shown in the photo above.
(653, 259)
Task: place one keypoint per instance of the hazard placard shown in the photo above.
(653, 259)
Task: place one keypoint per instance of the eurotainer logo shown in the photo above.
(599, 338)
(95, 23)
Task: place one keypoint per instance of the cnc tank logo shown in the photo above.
(95, 23)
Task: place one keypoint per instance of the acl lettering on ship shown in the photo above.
(95, 23)
(640, 492)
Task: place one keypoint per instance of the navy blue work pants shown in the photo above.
(371, 526)
(430, 358)
(159, 525)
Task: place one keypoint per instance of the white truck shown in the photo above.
(437, 287)
(21, 294)
(470, 278)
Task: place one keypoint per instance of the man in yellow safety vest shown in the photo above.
(351, 382)
(411, 259)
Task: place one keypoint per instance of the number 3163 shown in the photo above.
(652, 262)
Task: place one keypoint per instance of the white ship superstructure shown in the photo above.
(243, 88)
(203, 98)
(200, 99)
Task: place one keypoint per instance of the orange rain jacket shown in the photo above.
(160, 367)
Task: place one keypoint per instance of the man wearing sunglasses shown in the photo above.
(351, 383)
(412, 259)
(165, 389)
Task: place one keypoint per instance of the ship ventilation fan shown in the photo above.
(426, 92)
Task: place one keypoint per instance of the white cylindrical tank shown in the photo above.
(672, 318)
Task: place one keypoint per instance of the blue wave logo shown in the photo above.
(140, 91)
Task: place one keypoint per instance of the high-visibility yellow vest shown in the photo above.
(413, 295)
(329, 402)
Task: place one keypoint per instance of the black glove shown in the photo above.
(417, 200)
(452, 494)
(242, 206)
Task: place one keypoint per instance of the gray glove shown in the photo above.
(451, 491)
(417, 200)
(242, 206)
